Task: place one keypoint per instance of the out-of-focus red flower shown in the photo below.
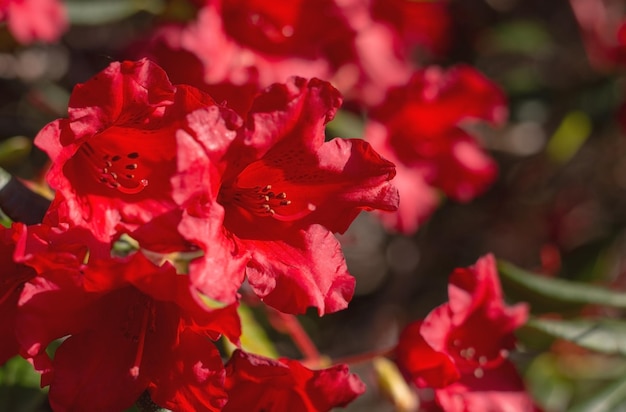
(418, 127)
(249, 44)
(461, 348)
(256, 384)
(423, 25)
(34, 20)
(121, 159)
(132, 327)
(390, 37)
(363, 47)
(282, 193)
(603, 28)
(12, 279)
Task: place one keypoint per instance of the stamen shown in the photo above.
(115, 176)
(134, 370)
(262, 201)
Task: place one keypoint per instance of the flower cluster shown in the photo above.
(196, 172)
(166, 167)
(235, 48)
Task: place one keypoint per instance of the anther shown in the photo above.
(132, 155)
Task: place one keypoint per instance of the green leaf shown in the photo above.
(14, 150)
(95, 12)
(604, 400)
(555, 290)
(600, 335)
(521, 36)
(346, 125)
(253, 336)
(19, 387)
(569, 137)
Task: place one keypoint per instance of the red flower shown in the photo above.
(421, 24)
(32, 20)
(132, 327)
(603, 29)
(418, 128)
(117, 160)
(382, 53)
(12, 279)
(451, 352)
(237, 47)
(283, 191)
(256, 384)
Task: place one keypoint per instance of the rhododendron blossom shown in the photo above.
(283, 192)
(461, 348)
(258, 384)
(132, 327)
(418, 127)
(32, 20)
(116, 159)
(139, 155)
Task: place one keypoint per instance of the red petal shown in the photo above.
(295, 113)
(93, 369)
(255, 383)
(426, 366)
(500, 389)
(194, 381)
(220, 272)
(305, 269)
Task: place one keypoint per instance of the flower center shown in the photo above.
(120, 172)
(468, 357)
(262, 201)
